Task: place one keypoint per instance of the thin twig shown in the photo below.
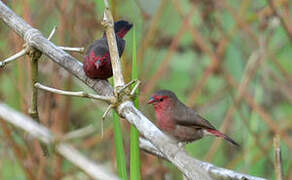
(72, 49)
(13, 57)
(81, 94)
(135, 88)
(106, 4)
(278, 158)
(52, 33)
(104, 115)
(34, 57)
(107, 111)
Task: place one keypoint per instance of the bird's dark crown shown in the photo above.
(122, 24)
(165, 92)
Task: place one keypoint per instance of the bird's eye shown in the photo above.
(161, 99)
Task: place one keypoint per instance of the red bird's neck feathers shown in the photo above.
(161, 103)
(97, 63)
(163, 106)
(180, 121)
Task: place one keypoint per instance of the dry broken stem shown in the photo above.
(278, 158)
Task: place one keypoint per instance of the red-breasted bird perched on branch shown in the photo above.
(97, 63)
(179, 121)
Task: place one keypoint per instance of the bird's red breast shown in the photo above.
(97, 63)
(102, 70)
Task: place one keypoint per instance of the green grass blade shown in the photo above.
(134, 133)
(120, 153)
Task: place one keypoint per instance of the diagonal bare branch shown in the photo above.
(45, 135)
(215, 172)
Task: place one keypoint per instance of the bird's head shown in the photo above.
(100, 61)
(162, 99)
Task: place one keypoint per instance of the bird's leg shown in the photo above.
(104, 115)
(72, 49)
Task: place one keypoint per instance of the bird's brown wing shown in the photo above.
(186, 116)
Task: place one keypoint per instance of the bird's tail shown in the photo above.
(217, 133)
(122, 27)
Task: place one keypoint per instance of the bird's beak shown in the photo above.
(151, 100)
(98, 63)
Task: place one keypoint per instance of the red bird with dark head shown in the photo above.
(97, 63)
(179, 121)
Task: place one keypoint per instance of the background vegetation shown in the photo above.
(230, 60)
